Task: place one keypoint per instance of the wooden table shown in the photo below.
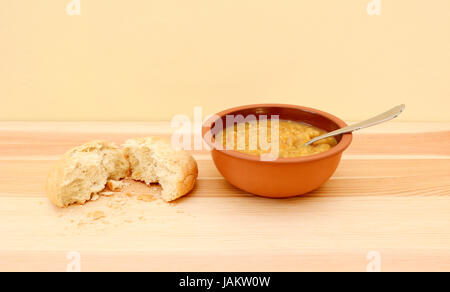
(386, 207)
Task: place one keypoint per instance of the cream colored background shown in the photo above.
(149, 60)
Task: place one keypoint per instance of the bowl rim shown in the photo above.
(339, 148)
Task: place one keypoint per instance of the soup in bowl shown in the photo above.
(294, 169)
(283, 138)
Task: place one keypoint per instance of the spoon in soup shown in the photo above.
(384, 117)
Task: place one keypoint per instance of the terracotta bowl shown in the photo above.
(283, 177)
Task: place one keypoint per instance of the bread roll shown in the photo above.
(153, 160)
(84, 171)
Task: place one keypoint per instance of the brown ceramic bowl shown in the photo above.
(283, 177)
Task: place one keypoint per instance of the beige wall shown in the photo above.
(151, 59)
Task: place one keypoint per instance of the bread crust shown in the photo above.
(53, 182)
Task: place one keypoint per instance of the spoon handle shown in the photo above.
(384, 117)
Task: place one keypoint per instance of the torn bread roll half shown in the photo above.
(84, 172)
(153, 160)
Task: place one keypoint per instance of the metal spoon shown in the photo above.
(384, 117)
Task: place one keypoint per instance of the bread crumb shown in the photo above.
(115, 185)
(96, 215)
(107, 194)
(130, 206)
(146, 198)
(95, 197)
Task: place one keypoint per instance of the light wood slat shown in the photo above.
(418, 143)
(340, 219)
(392, 198)
(344, 259)
(337, 232)
(17, 143)
(353, 187)
(350, 179)
(36, 171)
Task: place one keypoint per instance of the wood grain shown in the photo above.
(391, 194)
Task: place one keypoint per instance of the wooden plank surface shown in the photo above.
(390, 194)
